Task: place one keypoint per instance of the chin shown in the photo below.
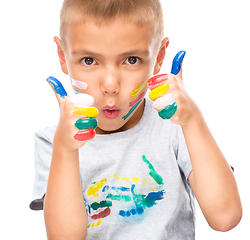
(108, 128)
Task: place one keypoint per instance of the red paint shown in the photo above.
(157, 81)
(137, 99)
(102, 214)
(85, 135)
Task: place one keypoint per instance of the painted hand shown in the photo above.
(77, 117)
(169, 95)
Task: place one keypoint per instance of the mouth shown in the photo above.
(111, 112)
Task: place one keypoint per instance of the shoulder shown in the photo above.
(45, 134)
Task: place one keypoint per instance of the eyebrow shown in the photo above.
(129, 53)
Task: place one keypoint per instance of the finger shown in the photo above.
(86, 123)
(85, 135)
(177, 64)
(58, 88)
(83, 105)
(168, 112)
(158, 92)
(157, 81)
(164, 101)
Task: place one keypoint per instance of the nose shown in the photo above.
(110, 84)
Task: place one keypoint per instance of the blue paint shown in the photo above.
(122, 213)
(57, 86)
(154, 196)
(116, 189)
(176, 66)
(128, 213)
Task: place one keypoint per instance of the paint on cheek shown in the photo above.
(131, 110)
(79, 84)
(136, 97)
(138, 90)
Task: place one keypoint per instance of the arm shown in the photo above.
(212, 179)
(64, 209)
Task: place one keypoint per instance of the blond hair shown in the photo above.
(140, 12)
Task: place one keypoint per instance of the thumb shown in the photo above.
(177, 64)
(58, 88)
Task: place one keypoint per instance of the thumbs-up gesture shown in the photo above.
(77, 117)
(169, 95)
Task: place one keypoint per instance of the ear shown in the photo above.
(161, 55)
(61, 55)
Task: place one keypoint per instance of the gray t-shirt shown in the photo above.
(134, 183)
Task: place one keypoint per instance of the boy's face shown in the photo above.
(115, 61)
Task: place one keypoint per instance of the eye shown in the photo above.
(88, 61)
(132, 60)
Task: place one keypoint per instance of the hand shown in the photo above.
(170, 97)
(77, 117)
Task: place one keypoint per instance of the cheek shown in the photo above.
(138, 93)
(136, 97)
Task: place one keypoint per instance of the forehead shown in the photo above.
(116, 36)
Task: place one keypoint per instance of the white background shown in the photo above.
(215, 35)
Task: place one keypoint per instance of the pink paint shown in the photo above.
(137, 99)
(79, 84)
(157, 81)
(82, 99)
(163, 101)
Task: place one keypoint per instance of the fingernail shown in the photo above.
(176, 66)
(57, 86)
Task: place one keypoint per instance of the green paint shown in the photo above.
(76, 91)
(168, 112)
(131, 110)
(86, 123)
(123, 198)
(153, 173)
(102, 204)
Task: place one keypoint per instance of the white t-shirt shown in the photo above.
(134, 183)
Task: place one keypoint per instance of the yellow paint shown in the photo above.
(93, 225)
(98, 222)
(116, 176)
(86, 111)
(136, 92)
(127, 179)
(135, 179)
(158, 92)
(96, 187)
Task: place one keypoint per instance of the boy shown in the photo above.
(136, 178)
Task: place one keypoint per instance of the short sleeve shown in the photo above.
(183, 158)
(42, 159)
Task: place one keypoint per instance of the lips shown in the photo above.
(111, 112)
